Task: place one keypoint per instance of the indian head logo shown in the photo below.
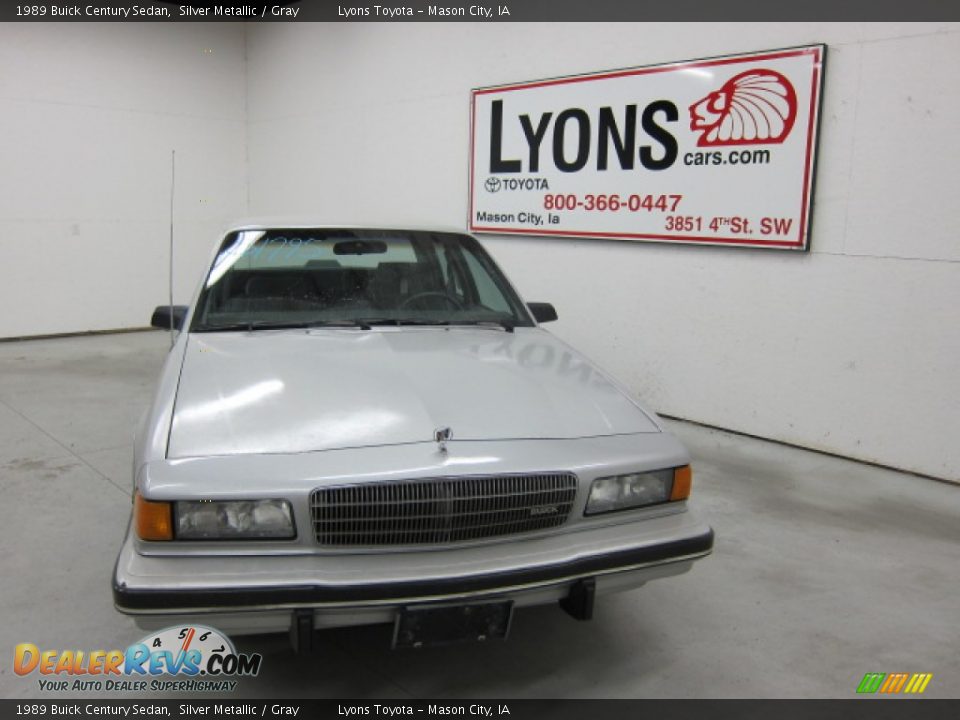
(756, 107)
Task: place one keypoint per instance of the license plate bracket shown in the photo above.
(443, 624)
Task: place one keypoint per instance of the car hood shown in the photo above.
(302, 391)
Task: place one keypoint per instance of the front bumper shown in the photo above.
(255, 594)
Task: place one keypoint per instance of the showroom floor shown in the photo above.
(824, 569)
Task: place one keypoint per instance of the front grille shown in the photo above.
(442, 510)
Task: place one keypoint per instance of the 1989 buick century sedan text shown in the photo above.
(369, 426)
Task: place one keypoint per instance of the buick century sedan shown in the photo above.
(361, 426)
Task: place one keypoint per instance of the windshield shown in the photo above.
(304, 277)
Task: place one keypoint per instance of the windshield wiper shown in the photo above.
(339, 323)
(403, 321)
(251, 325)
(505, 324)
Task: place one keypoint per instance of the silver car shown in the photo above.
(363, 426)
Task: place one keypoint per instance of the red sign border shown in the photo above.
(818, 54)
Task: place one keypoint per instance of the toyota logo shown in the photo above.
(492, 184)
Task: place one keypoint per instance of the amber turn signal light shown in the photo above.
(153, 520)
(682, 480)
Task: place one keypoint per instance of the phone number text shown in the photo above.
(612, 203)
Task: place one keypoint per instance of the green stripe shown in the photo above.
(871, 682)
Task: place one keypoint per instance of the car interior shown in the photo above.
(325, 284)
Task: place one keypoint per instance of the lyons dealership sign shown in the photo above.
(717, 151)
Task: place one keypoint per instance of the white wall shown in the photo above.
(854, 348)
(89, 116)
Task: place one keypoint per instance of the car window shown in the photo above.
(487, 291)
(454, 283)
(322, 276)
(305, 250)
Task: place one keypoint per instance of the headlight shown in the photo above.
(621, 492)
(233, 520)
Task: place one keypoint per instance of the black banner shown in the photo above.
(459, 11)
(499, 709)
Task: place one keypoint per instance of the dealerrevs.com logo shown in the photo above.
(200, 657)
(894, 683)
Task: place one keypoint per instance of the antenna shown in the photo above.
(173, 180)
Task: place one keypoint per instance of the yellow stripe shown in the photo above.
(914, 681)
(927, 677)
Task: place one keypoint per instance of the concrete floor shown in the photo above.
(824, 569)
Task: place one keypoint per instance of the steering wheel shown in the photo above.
(457, 305)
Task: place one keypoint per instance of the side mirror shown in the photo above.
(165, 317)
(542, 312)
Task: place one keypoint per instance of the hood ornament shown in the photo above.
(440, 437)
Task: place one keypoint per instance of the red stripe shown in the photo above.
(473, 127)
(641, 236)
(671, 67)
(808, 164)
(187, 639)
